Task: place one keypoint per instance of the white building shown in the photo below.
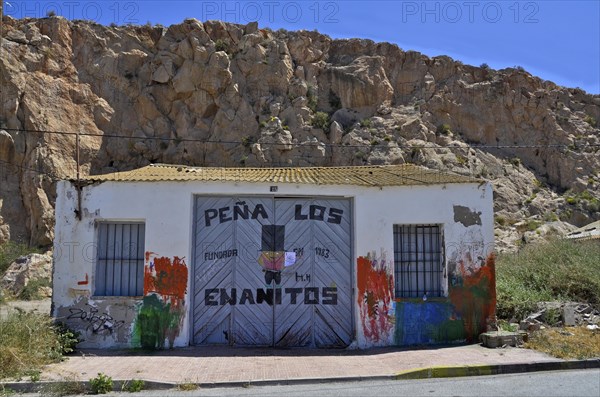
(168, 256)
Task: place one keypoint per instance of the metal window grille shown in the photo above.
(120, 259)
(418, 261)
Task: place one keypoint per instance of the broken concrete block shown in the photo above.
(529, 325)
(496, 339)
(584, 309)
(568, 316)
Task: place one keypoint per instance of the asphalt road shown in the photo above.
(547, 384)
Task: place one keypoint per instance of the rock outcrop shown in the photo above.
(33, 267)
(215, 93)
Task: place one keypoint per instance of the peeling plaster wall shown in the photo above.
(415, 321)
(157, 319)
(167, 210)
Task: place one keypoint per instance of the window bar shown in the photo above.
(417, 259)
(410, 256)
(406, 253)
(119, 282)
(437, 262)
(137, 248)
(410, 253)
(401, 262)
(140, 259)
(114, 256)
(431, 284)
(132, 263)
(107, 227)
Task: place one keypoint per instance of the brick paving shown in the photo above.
(230, 364)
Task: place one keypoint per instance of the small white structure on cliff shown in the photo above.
(169, 256)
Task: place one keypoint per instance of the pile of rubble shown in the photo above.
(562, 314)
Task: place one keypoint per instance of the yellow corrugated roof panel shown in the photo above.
(384, 175)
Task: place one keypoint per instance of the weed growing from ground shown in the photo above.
(133, 386)
(101, 384)
(187, 386)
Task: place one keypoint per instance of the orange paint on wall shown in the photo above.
(166, 278)
(475, 298)
(375, 288)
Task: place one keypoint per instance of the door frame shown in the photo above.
(273, 197)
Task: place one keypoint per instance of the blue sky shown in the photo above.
(556, 40)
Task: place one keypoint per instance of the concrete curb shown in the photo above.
(419, 373)
(497, 369)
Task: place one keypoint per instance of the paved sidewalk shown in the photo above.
(226, 365)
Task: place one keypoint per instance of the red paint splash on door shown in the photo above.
(474, 298)
(166, 278)
(375, 287)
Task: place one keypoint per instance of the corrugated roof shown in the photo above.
(588, 232)
(387, 175)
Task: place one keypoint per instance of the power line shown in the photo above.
(316, 144)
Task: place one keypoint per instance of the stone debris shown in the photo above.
(569, 314)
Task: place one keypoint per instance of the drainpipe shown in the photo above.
(78, 183)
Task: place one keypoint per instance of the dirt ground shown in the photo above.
(42, 306)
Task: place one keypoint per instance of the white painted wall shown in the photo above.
(167, 210)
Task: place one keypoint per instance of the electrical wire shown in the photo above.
(315, 144)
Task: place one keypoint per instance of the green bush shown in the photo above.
(27, 342)
(67, 338)
(133, 386)
(313, 98)
(556, 270)
(444, 129)
(590, 120)
(365, 123)
(221, 45)
(101, 384)
(321, 120)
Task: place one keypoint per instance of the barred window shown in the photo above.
(418, 261)
(120, 259)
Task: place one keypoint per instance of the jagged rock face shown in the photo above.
(219, 94)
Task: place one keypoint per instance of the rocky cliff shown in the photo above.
(220, 94)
